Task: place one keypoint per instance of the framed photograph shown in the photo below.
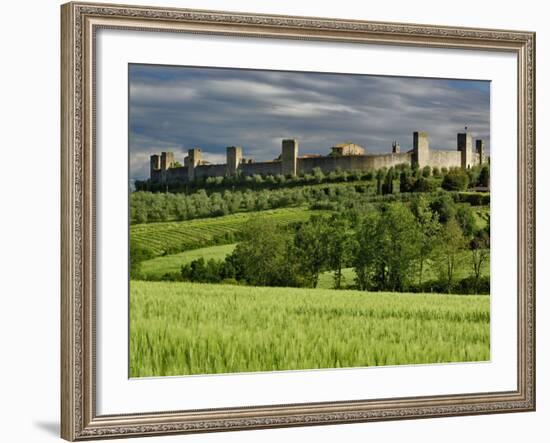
(277, 221)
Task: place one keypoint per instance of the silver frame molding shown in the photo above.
(79, 22)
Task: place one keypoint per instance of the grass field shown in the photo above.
(158, 266)
(187, 328)
(192, 234)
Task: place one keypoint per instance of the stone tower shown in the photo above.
(480, 151)
(421, 149)
(289, 157)
(395, 147)
(194, 159)
(464, 145)
(154, 165)
(166, 160)
(234, 156)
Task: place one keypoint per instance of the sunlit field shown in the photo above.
(179, 328)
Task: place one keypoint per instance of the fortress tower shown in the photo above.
(289, 157)
(154, 165)
(194, 159)
(234, 156)
(166, 160)
(464, 145)
(395, 147)
(480, 152)
(421, 149)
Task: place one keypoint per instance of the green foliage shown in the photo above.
(484, 176)
(424, 184)
(466, 220)
(387, 247)
(479, 246)
(451, 242)
(311, 248)
(220, 197)
(262, 258)
(159, 267)
(339, 246)
(387, 186)
(474, 198)
(444, 206)
(455, 180)
(138, 254)
(190, 328)
(429, 229)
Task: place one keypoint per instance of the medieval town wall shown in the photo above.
(162, 169)
(202, 171)
(445, 159)
(261, 168)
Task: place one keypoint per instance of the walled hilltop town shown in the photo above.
(346, 157)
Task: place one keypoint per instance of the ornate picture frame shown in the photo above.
(80, 22)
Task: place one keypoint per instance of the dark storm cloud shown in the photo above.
(176, 108)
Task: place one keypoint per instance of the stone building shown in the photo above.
(348, 157)
(347, 149)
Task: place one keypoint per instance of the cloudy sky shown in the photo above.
(177, 108)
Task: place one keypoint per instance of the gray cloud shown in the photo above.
(176, 108)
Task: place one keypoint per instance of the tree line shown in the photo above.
(386, 185)
(475, 176)
(389, 246)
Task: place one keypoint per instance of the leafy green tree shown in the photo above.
(138, 254)
(318, 175)
(426, 171)
(451, 244)
(400, 244)
(445, 207)
(455, 180)
(380, 176)
(366, 261)
(429, 229)
(262, 259)
(479, 247)
(387, 245)
(310, 242)
(387, 187)
(339, 246)
(406, 180)
(423, 184)
(473, 175)
(466, 219)
(484, 176)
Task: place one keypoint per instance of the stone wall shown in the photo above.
(352, 162)
(209, 170)
(262, 168)
(445, 159)
(389, 160)
(176, 175)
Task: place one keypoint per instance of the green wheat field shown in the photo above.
(190, 328)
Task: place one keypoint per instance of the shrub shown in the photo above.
(474, 198)
(455, 180)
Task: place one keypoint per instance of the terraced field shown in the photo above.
(193, 234)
